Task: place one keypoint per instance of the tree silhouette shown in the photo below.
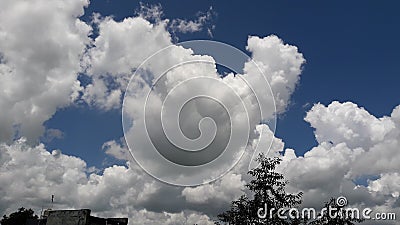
(268, 189)
(18, 218)
(268, 195)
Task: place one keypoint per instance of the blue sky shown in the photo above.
(351, 50)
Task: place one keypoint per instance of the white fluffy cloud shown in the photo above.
(123, 189)
(353, 144)
(281, 64)
(33, 174)
(224, 89)
(227, 188)
(39, 76)
(190, 26)
(41, 44)
(116, 53)
(352, 126)
(109, 61)
(122, 46)
(347, 123)
(388, 184)
(117, 150)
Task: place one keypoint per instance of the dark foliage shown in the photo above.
(18, 218)
(268, 188)
(268, 192)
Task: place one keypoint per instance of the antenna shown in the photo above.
(52, 201)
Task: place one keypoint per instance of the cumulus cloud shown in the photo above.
(33, 174)
(154, 13)
(281, 64)
(348, 123)
(124, 189)
(190, 26)
(387, 184)
(110, 80)
(126, 44)
(249, 88)
(122, 46)
(227, 188)
(40, 50)
(150, 12)
(118, 150)
(39, 76)
(352, 126)
(117, 42)
(353, 144)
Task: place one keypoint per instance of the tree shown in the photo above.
(268, 195)
(268, 189)
(18, 218)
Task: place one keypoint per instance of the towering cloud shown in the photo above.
(353, 146)
(41, 44)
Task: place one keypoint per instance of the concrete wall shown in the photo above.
(77, 217)
(68, 217)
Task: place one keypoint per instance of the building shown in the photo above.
(74, 217)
